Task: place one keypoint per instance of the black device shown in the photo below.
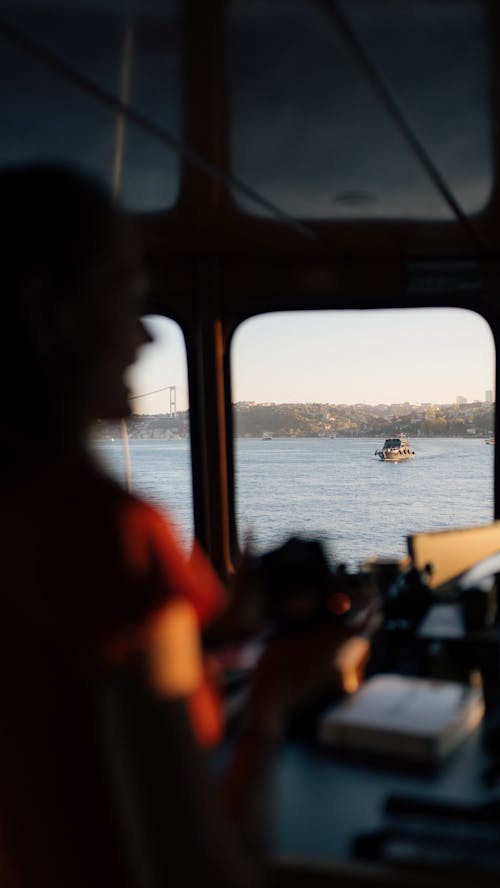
(302, 589)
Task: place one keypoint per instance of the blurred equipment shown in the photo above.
(447, 836)
(452, 552)
(301, 589)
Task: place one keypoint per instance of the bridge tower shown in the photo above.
(173, 402)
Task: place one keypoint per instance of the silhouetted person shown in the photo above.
(104, 700)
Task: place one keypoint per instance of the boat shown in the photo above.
(489, 441)
(396, 449)
(267, 436)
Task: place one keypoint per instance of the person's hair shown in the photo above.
(55, 222)
(51, 218)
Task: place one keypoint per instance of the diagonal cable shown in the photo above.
(160, 133)
(155, 392)
(384, 93)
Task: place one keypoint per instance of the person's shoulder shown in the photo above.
(109, 488)
(149, 548)
(92, 484)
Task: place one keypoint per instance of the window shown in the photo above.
(133, 55)
(316, 393)
(309, 132)
(151, 451)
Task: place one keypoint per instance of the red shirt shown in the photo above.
(88, 574)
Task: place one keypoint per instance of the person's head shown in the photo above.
(72, 288)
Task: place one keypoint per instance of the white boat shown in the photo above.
(267, 436)
(489, 441)
(396, 449)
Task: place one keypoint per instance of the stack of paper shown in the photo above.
(413, 718)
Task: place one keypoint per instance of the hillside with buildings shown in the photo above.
(363, 420)
(252, 420)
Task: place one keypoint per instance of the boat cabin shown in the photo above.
(394, 443)
(289, 162)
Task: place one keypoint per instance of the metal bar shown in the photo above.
(128, 41)
(124, 88)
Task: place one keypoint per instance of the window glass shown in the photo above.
(309, 132)
(135, 57)
(317, 394)
(150, 452)
(434, 56)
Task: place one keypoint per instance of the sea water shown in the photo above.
(333, 489)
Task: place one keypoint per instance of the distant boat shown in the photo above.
(267, 436)
(396, 449)
(489, 441)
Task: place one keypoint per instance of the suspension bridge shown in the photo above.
(166, 388)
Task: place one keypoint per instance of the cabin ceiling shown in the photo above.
(333, 128)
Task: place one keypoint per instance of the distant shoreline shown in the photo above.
(363, 437)
(250, 420)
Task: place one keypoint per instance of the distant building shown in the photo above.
(461, 399)
(488, 396)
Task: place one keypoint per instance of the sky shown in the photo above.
(336, 357)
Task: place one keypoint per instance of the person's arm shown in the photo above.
(174, 821)
(174, 829)
(293, 672)
(177, 831)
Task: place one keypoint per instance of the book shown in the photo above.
(416, 719)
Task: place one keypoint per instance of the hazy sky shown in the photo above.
(380, 356)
